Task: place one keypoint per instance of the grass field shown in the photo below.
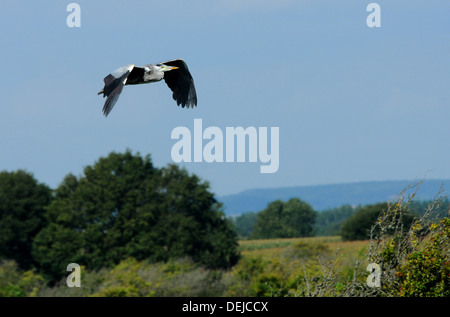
(285, 266)
(272, 248)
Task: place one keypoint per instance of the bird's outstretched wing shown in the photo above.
(181, 83)
(114, 83)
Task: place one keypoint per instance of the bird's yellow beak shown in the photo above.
(166, 68)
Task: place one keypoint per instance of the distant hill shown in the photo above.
(322, 197)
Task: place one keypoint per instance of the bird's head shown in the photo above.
(165, 68)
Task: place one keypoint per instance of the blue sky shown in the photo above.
(352, 103)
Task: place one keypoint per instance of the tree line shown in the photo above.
(278, 220)
(121, 207)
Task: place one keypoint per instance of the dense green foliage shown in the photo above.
(293, 218)
(414, 254)
(15, 282)
(22, 206)
(123, 207)
(327, 222)
(357, 227)
(426, 271)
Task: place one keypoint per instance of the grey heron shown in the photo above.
(174, 72)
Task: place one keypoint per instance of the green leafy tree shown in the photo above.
(293, 218)
(22, 207)
(357, 226)
(124, 207)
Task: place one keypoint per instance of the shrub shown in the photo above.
(17, 283)
(426, 271)
(414, 259)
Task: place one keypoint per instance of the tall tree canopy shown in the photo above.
(22, 208)
(294, 218)
(125, 207)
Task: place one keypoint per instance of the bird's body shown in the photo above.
(174, 72)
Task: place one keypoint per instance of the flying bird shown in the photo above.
(174, 72)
